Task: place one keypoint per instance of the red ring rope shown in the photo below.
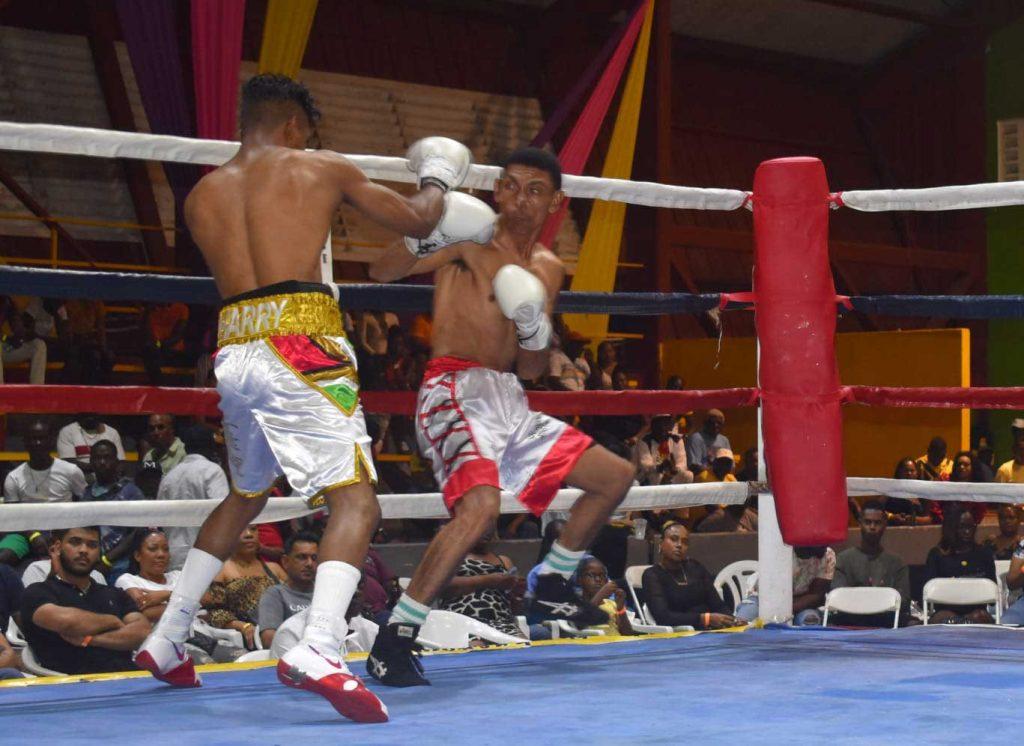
(182, 401)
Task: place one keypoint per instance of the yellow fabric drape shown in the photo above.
(599, 253)
(285, 33)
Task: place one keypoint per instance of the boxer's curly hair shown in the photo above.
(263, 94)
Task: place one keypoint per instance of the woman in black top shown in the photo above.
(958, 555)
(680, 591)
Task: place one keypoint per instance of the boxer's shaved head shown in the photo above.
(268, 101)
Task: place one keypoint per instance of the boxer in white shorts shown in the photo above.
(289, 392)
(492, 306)
(286, 375)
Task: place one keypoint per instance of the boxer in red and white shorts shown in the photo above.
(491, 326)
(475, 426)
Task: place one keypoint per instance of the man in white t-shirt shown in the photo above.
(197, 477)
(75, 440)
(43, 479)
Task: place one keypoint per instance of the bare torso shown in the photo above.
(467, 320)
(263, 217)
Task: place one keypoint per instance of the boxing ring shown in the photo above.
(625, 688)
(938, 684)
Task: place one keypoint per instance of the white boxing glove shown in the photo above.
(440, 160)
(465, 218)
(522, 297)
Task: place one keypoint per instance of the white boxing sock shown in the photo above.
(335, 585)
(199, 571)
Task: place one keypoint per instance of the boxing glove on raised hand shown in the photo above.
(440, 160)
(465, 218)
(522, 297)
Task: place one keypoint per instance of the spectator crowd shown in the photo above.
(84, 597)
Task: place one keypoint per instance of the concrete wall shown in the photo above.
(714, 551)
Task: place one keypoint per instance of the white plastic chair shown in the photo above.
(230, 637)
(642, 620)
(32, 664)
(1002, 569)
(735, 576)
(448, 630)
(960, 592)
(634, 580)
(254, 655)
(14, 636)
(864, 600)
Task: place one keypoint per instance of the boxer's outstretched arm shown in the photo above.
(414, 216)
(397, 262)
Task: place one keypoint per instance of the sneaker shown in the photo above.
(167, 661)
(305, 667)
(555, 599)
(394, 659)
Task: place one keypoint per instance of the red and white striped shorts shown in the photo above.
(475, 426)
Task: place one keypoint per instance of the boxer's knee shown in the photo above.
(623, 475)
(477, 511)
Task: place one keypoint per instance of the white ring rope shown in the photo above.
(964, 197)
(975, 492)
(44, 516)
(100, 143)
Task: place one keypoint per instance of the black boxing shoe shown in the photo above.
(394, 659)
(555, 599)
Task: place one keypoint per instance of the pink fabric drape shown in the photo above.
(576, 150)
(216, 58)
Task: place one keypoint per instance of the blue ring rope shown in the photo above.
(125, 286)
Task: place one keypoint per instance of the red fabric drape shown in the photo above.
(216, 58)
(576, 150)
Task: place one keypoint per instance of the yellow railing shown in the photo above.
(52, 221)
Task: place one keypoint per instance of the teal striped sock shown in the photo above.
(561, 560)
(409, 610)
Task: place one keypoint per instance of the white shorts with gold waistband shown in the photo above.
(289, 392)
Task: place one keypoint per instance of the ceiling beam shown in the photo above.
(894, 12)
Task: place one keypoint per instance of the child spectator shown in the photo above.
(606, 595)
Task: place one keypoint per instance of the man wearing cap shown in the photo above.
(660, 456)
(702, 445)
(1013, 470)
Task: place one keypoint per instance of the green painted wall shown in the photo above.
(1005, 100)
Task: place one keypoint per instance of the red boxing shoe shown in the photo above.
(167, 661)
(305, 667)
